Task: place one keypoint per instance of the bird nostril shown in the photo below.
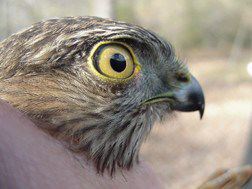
(182, 77)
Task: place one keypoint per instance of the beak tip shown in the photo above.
(201, 111)
(201, 116)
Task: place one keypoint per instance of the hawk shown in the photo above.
(96, 84)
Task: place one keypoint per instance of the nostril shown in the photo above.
(182, 77)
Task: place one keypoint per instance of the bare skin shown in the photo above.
(29, 158)
(228, 179)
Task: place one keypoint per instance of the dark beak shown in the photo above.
(189, 97)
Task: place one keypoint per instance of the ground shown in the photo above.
(184, 150)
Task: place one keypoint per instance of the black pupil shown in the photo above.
(118, 62)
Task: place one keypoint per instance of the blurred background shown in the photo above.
(215, 40)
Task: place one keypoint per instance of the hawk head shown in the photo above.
(97, 84)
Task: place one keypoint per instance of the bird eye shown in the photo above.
(114, 61)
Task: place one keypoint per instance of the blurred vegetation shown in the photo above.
(212, 33)
(221, 25)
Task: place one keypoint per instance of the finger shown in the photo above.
(232, 179)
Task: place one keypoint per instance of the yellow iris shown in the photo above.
(114, 61)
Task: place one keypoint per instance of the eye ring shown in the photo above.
(113, 61)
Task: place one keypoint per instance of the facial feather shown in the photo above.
(44, 73)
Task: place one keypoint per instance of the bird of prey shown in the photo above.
(96, 84)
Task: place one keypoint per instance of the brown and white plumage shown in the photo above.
(45, 72)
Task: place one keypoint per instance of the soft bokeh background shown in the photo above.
(215, 39)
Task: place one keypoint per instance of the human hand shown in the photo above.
(29, 158)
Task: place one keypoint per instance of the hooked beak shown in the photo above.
(189, 97)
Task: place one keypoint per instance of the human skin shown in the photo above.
(30, 158)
